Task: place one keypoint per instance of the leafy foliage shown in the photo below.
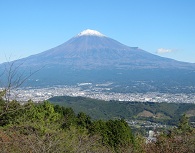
(47, 128)
(115, 133)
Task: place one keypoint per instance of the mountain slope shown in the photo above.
(92, 50)
(93, 57)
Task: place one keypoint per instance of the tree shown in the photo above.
(83, 120)
(69, 117)
(11, 77)
(14, 76)
(115, 133)
(183, 124)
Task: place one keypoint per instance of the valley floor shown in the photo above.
(98, 92)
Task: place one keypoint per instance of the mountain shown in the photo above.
(93, 57)
(92, 50)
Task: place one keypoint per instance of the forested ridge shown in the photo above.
(165, 113)
(49, 128)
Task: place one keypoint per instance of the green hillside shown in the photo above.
(168, 113)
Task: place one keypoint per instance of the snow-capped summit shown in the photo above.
(90, 32)
(92, 50)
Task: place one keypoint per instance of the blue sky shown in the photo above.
(162, 27)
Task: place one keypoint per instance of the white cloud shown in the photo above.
(163, 51)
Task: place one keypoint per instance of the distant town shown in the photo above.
(97, 91)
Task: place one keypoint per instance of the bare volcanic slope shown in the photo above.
(92, 50)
